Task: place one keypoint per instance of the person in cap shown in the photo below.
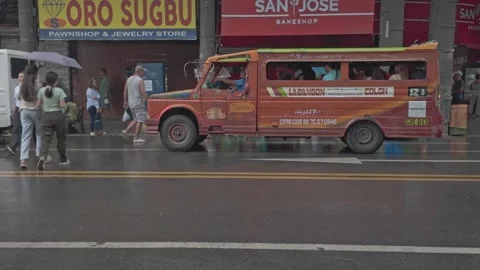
(457, 88)
(474, 106)
(135, 97)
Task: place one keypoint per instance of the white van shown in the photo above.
(11, 63)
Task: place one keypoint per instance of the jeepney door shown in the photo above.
(213, 102)
(242, 105)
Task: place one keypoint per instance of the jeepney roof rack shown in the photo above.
(252, 55)
(428, 45)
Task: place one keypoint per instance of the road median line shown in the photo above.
(187, 173)
(239, 177)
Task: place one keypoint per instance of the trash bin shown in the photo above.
(458, 120)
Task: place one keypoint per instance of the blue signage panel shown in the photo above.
(154, 78)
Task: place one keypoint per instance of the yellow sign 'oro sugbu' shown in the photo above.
(117, 20)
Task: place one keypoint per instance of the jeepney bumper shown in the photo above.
(152, 126)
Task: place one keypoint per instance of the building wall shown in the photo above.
(8, 42)
(119, 56)
(60, 47)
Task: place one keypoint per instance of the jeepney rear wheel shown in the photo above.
(178, 133)
(364, 138)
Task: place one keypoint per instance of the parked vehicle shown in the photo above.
(11, 64)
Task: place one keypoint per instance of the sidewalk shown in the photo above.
(473, 127)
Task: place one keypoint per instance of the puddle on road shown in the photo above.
(456, 146)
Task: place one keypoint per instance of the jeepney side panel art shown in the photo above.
(328, 107)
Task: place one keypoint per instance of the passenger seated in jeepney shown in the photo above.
(377, 74)
(401, 72)
(285, 76)
(360, 72)
(419, 73)
(304, 72)
(285, 73)
(332, 74)
(236, 85)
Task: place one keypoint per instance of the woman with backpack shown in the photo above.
(52, 100)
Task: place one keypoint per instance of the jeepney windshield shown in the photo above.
(219, 73)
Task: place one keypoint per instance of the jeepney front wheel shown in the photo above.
(364, 137)
(178, 133)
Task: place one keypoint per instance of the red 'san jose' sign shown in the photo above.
(467, 30)
(296, 17)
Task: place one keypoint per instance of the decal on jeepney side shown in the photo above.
(331, 92)
(306, 112)
(308, 122)
(241, 107)
(215, 113)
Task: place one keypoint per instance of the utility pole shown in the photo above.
(26, 25)
(391, 23)
(442, 29)
(208, 41)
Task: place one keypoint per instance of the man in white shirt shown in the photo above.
(17, 124)
(135, 98)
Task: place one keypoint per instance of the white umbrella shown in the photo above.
(54, 58)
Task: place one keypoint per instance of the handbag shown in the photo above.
(126, 116)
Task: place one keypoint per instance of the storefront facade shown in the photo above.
(302, 23)
(337, 23)
(118, 35)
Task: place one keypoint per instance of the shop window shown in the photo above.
(17, 65)
(307, 71)
(405, 70)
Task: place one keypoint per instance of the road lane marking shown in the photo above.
(422, 160)
(207, 173)
(353, 160)
(343, 160)
(242, 246)
(240, 177)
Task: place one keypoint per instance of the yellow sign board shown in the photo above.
(241, 107)
(416, 122)
(117, 19)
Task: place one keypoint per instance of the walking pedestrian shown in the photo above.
(105, 91)
(93, 105)
(17, 123)
(30, 113)
(135, 98)
(52, 100)
(457, 88)
(474, 106)
(132, 122)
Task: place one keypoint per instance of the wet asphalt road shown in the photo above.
(411, 193)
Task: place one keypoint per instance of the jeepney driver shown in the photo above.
(239, 85)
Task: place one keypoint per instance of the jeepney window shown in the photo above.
(395, 70)
(17, 65)
(307, 71)
(224, 75)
